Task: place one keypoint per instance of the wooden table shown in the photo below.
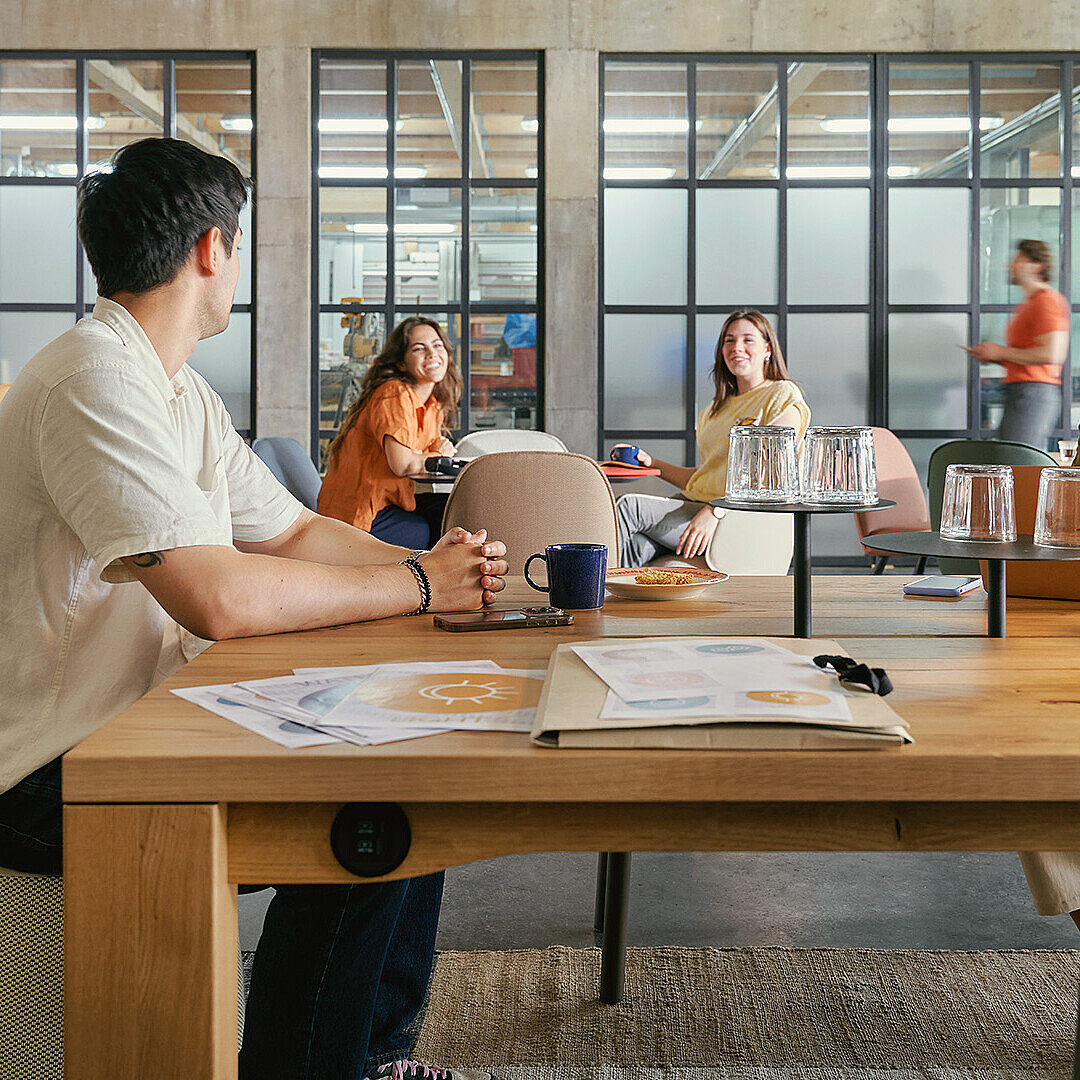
(168, 807)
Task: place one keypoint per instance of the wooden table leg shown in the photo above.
(150, 944)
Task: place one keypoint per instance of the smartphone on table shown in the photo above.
(518, 619)
(943, 585)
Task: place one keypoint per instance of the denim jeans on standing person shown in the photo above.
(339, 979)
(341, 971)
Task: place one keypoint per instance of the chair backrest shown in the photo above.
(897, 479)
(499, 440)
(531, 498)
(290, 463)
(973, 452)
(749, 542)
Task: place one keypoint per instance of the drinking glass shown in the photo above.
(1057, 517)
(762, 464)
(978, 503)
(1067, 450)
(838, 466)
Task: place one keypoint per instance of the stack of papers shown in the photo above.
(377, 703)
(721, 693)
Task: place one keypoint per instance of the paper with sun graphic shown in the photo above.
(453, 696)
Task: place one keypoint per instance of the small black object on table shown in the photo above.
(801, 512)
(995, 552)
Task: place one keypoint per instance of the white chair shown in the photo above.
(499, 440)
(32, 977)
(747, 543)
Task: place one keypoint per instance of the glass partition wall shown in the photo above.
(428, 199)
(63, 115)
(869, 205)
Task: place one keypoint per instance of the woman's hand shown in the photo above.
(469, 582)
(443, 448)
(696, 536)
(642, 457)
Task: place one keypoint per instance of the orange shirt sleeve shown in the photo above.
(392, 411)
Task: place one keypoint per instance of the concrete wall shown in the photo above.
(572, 33)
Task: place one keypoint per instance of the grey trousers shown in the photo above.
(650, 525)
(1031, 413)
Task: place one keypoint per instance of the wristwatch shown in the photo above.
(718, 512)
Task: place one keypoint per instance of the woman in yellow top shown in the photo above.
(752, 387)
(398, 420)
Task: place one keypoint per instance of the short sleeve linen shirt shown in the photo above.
(103, 456)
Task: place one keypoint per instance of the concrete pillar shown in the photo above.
(571, 287)
(283, 243)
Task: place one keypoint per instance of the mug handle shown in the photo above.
(528, 563)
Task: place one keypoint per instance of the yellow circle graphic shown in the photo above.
(787, 697)
(445, 693)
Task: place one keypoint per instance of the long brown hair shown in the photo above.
(390, 364)
(726, 383)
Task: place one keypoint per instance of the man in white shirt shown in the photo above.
(138, 527)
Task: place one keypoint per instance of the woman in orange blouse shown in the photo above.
(398, 420)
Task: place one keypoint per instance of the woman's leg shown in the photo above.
(430, 506)
(406, 528)
(650, 525)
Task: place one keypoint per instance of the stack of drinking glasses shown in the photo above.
(837, 466)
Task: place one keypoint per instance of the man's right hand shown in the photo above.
(465, 570)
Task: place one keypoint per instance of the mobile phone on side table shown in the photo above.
(518, 619)
(943, 585)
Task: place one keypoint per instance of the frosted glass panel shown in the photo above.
(644, 371)
(644, 246)
(827, 356)
(247, 257)
(928, 370)
(23, 333)
(737, 246)
(37, 239)
(828, 246)
(991, 376)
(225, 362)
(1006, 216)
(928, 245)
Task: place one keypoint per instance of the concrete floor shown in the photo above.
(873, 900)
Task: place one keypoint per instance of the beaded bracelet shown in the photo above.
(418, 572)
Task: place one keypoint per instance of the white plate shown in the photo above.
(622, 583)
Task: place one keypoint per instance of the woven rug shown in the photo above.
(757, 1014)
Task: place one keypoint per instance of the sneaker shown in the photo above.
(408, 1069)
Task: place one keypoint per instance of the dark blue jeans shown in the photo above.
(418, 528)
(341, 971)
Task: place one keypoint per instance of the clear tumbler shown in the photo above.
(978, 503)
(838, 466)
(1057, 518)
(762, 466)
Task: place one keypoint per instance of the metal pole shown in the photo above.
(995, 598)
(802, 575)
(616, 903)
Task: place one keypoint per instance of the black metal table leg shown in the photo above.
(616, 902)
(601, 898)
(803, 628)
(995, 598)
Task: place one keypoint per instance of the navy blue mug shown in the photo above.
(575, 574)
(628, 455)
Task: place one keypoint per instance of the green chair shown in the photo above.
(973, 452)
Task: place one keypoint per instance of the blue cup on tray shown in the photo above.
(628, 455)
(576, 575)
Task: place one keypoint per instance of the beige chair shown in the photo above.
(746, 543)
(531, 498)
(500, 440)
(32, 977)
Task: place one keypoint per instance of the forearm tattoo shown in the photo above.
(148, 559)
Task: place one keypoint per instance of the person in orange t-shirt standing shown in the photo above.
(397, 421)
(1038, 339)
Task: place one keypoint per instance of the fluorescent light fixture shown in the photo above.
(64, 168)
(828, 172)
(645, 126)
(237, 123)
(353, 126)
(898, 172)
(911, 125)
(613, 172)
(530, 125)
(378, 228)
(369, 172)
(47, 123)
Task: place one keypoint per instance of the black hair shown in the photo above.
(141, 216)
